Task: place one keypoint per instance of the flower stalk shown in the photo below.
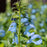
(19, 29)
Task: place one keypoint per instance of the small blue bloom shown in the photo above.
(33, 11)
(42, 24)
(25, 46)
(43, 7)
(41, 12)
(33, 17)
(24, 20)
(42, 30)
(27, 15)
(2, 33)
(30, 6)
(35, 36)
(12, 27)
(35, 42)
(21, 15)
(38, 42)
(8, 14)
(15, 40)
(29, 41)
(32, 22)
(30, 34)
(26, 23)
(28, 28)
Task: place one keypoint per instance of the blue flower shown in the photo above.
(33, 11)
(12, 27)
(28, 28)
(29, 41)
(34, 37)
(38, 42)
(21, 15)
(32, 22)
(15, 40)
(8, 14)
(30, 6)
(24, 20)
(27, 15)
(2, 33)
(33, 17)
(26, 23)
(30, 34)
(43, 7)
(25, 46)
(42, 24)
(42, 30)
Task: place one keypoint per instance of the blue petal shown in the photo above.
(35, 42)
(21, 15)
(33, 17)
(30, 34)
(38, 42)
(30, 6)
(2, 33)
(33, 11)
(15, 40)
(28, 28)
(42, 30)
(35, 36)
(12, 27)
(13, 24)
(26, 23)
(24, 20)
(29, 41)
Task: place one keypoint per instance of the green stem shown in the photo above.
(19, 29)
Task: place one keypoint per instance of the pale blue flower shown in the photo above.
(24, 20)
(33, 17)
(41, 12)
(42, 30)
(2, 33)
(35, 42)
(32, 22)
(28, 28)
(30, 6)
(12, 27)
(29, 41)
(30, 34)
(27, 15)
(38, 42)
(42, 24)
(15, 40)
(33, 11)
(21, 15)
(43, 7)
(26, 23)
(8, 14)
(35, 36)
(25, 46)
